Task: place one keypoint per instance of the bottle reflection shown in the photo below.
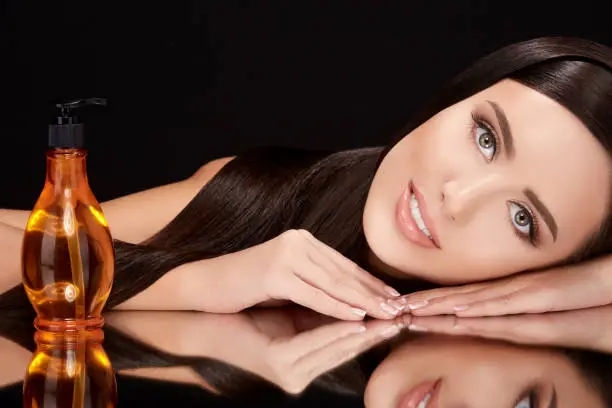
(69, 369)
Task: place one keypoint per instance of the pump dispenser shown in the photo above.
(67, 253)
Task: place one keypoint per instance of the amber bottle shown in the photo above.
(70, 369)
(67, 252)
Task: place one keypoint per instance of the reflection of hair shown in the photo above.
(266, 191)
(596, 368)
(347, 381)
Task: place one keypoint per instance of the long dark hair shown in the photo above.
(266, 191)
(345, 383)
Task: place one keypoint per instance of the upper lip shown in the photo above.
(429, 224)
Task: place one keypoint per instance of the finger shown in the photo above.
(436, 324)
(421, 299)
(344, 288)
(351, 267)
(447, 304)
(316, 299)
(345, 349)
(529, 300)
(310, 341)
(524, 329)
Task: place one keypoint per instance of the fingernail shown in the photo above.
(416, 328)
(418, 305)
(402, 301)
(390, 331)
(395, 304)
(391, 291)
(358, 312)
(460, 308)
(387, 308)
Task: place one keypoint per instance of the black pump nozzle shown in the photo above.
(67, 133)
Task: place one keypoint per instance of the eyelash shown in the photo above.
(478, 121)
(534, 237)
(533, 397)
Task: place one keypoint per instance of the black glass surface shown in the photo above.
(293, 357)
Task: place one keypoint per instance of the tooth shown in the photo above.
(417, 216)
(425, 402)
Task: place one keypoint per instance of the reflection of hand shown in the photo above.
(289, 348)
(294, 362)
(564, 288)
(588, 328)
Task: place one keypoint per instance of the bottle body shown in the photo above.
(67, 252)
(70, 370)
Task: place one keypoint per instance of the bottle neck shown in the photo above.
(66, 167)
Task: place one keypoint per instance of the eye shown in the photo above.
(524, 403)
(484, 137)
(523, 221)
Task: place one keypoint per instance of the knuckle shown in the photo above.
(338, 280)
(290, 236)
(291, 385)
(304, 232)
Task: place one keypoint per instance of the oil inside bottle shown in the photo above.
(67, 252)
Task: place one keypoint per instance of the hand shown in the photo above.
(587, 328)
(295, 266)
(563, 288)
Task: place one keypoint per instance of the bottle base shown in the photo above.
(64, 325)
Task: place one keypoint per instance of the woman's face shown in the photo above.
(501, 182)
(464, 372)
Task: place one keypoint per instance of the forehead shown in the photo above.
(556, 156)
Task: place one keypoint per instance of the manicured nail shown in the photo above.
(417, 328)
(402, 301)
(390, 331)
(358, 312)
(392, 292)
(387, 308)
(395, 304)
(418, 305)
(460, 308)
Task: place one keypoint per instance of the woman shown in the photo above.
(488, 181)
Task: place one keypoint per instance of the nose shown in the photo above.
(461, 197)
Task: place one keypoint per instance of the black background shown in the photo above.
(189, 81)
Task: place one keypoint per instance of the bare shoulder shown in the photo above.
(210, 169)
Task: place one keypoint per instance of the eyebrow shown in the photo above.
(553, 400)
(549, 220)
(505, 129)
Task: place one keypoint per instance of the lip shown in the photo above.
(412, 398)
(406, 223)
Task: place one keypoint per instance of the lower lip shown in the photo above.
(417, 394)
(407, 225)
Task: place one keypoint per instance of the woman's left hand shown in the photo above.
(587, 328)
(562, 288)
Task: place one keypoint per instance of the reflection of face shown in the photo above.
(490, 212)
(475, 374)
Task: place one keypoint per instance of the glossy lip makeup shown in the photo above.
(413, 220)
(424, 395)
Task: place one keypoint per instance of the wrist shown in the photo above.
(225, 284)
